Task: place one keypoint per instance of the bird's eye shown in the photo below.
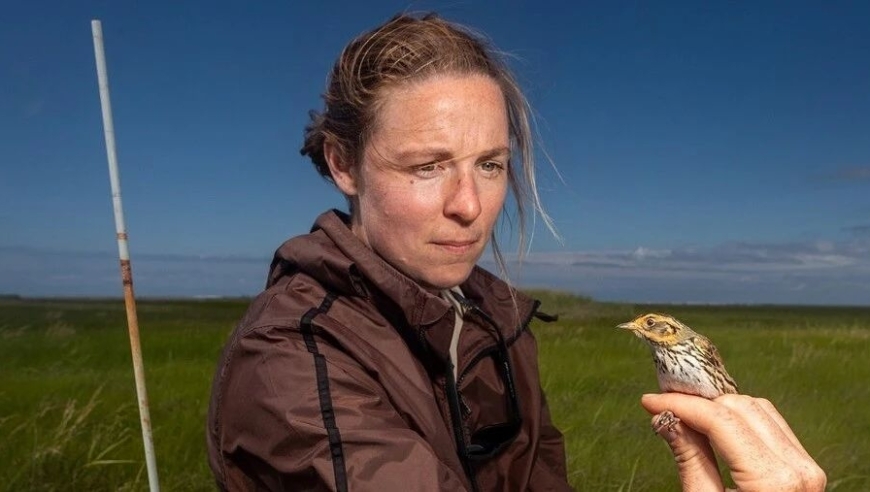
(650, 322)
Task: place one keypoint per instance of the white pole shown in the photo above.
(124, 256)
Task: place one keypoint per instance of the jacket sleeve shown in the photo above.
(550, 467)
(302, 416)
(549, 471)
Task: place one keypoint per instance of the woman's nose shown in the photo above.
(463, 202)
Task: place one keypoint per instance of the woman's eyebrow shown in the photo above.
(438, 154)
(430, 153)
(496, 152)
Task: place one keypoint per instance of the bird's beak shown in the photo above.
(628, 326)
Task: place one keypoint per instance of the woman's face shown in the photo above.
(433, 177)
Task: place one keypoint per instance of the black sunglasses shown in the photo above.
(490, 440)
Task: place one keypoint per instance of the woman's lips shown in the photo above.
(456, 246)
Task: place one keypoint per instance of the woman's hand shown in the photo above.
(748, 433)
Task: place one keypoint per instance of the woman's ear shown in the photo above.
(342, 170)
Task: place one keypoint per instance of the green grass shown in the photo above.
(68, 409)
(69, 421)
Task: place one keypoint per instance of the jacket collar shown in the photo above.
(339, 261)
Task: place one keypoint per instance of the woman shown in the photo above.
(380, 357)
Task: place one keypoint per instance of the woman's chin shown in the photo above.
(446, 278)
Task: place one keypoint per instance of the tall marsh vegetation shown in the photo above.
(69, 421)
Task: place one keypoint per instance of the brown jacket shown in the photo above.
(339, 378)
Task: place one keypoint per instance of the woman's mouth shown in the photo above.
(456, 247)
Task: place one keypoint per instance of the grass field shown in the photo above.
(68, 417)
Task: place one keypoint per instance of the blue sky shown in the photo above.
(709, 152)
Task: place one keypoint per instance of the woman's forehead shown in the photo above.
(443, 112)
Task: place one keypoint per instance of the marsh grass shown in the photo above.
(68, 413)
(69, 421)
(66, 444)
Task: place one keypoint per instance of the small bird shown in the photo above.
(686, 361)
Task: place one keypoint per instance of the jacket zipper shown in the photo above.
(458, 425)
(453, 397)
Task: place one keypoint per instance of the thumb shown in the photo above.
(696, 462)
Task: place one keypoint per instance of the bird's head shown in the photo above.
(659, 329)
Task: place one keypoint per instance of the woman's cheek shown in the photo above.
(414, 202)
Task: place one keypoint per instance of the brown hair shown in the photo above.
(408, 48)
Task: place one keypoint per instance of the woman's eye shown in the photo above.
(426, 169)
(491, 166)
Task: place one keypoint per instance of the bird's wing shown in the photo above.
(711, 354)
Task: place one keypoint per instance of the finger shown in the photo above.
(811, 471)
(773, 413)
(759, 415)
(753, 464)
(696, 462)
(728, 434)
